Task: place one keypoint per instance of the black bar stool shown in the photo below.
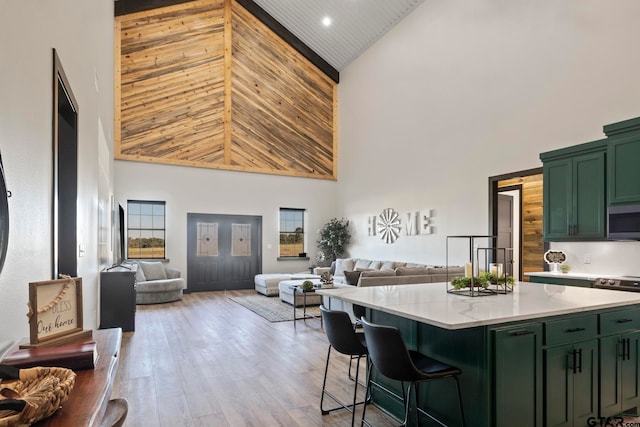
(390, 356)
(358, 311)
(344, 339)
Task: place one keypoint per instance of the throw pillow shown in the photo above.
(388, 265)
(140, 275)
(352, 277)
(153, 270)
(343, 265)
(375, 265)
(362, 263)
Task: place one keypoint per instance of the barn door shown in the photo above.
(223, 251)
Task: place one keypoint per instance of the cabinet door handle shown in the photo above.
(627, 349)
(624, 320)
(520, 333)
(573, 361)
(574, 330)
(579, 361)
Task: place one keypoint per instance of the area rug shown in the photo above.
(271, 308)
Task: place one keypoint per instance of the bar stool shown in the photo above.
(358, 311)
(344, 339)
(390, 356)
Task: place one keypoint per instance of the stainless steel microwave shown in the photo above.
(624, 222)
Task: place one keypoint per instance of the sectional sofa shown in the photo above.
(355, 272)
(363, 272)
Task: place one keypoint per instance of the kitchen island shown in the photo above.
(541, 355)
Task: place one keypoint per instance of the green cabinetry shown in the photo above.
(571, 371)
(620, 362)
(571, 383)
(574, 206)
(623, 161)
(518, 375)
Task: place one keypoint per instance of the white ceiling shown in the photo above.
(356, 24)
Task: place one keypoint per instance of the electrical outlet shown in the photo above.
(587, 259)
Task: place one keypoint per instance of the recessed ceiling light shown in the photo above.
(326, 21)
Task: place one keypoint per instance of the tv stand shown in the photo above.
(118, 298)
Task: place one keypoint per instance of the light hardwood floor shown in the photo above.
(207, 361)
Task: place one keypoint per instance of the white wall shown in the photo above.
(460, 91)
(197, 190)
(82, 33)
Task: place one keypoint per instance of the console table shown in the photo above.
(90, 396)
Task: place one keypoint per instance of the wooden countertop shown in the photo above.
(430, 303)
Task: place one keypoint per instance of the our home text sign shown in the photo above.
(55, 310)
(389, 224)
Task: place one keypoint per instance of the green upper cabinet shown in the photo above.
(624, 161)
(574, 206)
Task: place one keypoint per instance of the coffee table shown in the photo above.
(297, 289)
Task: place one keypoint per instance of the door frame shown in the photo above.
(493, 207)
(258, 218)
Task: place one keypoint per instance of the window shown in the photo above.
(145, 229)
(291, 232)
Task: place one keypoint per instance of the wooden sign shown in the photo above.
(55, 312)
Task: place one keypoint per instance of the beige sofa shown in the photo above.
(361, 272)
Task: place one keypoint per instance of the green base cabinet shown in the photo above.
(568, 370)
(619, 373)
(620, 368)
(571, 384)
(574, 192)
(623, 156)
(518, 375)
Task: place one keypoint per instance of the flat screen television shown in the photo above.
(118, 244)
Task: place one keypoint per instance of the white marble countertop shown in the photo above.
(430, 303)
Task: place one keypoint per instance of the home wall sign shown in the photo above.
(55, 312)
(390, 224)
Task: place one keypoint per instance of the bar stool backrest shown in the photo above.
(388, 352)
(340, 332)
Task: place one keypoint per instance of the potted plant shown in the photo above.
(307, 285)
(333, 239)
(565, 268)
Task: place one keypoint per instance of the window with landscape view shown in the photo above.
(145, 229)
(291, 232)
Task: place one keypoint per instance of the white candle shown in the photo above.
(467, 270)
(493, 269)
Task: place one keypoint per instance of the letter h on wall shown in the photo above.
(372, 225)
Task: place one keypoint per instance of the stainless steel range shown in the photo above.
(631, 284)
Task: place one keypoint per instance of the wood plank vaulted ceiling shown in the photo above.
(222, 84)
(356, 24)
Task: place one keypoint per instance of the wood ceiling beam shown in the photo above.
(124, 7)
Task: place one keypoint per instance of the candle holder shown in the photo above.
(482, 277)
